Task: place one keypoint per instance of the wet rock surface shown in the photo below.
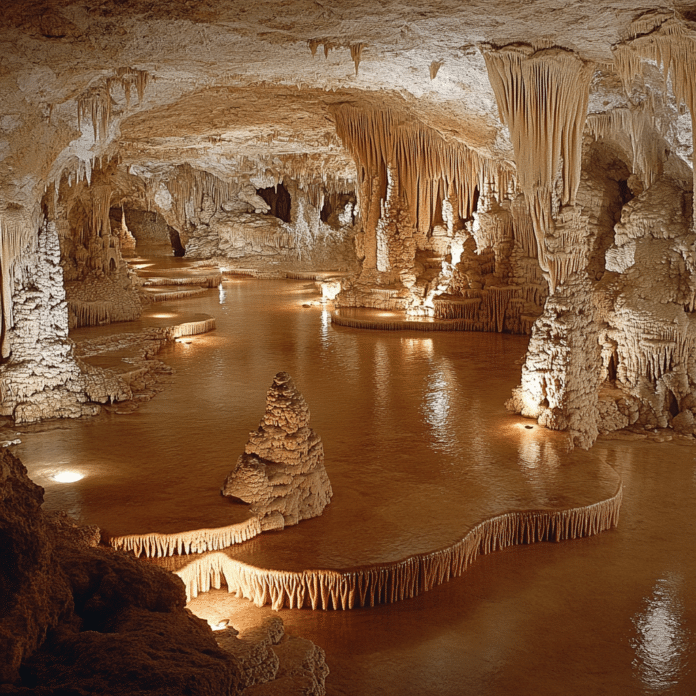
(79, 619)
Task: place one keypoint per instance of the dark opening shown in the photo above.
(437, 213)
(612, 368)
(279, 200)
(672, 404)
(474, 202)
(112, 265)
(175, 239)
(625, 192)
(334, 204)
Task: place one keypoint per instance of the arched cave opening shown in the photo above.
(279, 200)
(335, 206)
(148, 227)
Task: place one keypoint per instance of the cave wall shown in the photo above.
(480, 208)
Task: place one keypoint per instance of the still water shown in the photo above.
(418, 447)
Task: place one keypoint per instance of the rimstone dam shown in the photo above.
(347, 348)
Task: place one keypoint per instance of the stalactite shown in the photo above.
(97, 101)
(523, 228)
(542, 97)
(664, 38)
(422, 159)
(356, 50)
(496, 300)
(434, 68)
(91, 313)
(16, 234)
(392, 582)
(191, 186)
(195, 541)
(101, 204)
(646, 149)
(465, 308)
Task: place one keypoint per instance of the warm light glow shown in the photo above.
(330, 290)
(68, 476)
(163, 316)
(221, 625)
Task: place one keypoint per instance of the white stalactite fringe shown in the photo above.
(193, 328)
(190, 186)
(211, 281)
(175, 294)
(662, 36)
(97, 102)
(156, 545)
(392, 582)
(637, 122)
(93, 313)
(424, 162)
(401, 324)
(542, 97)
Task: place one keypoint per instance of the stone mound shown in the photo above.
(281, 472)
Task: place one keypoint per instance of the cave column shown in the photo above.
(542, 97)
(42, 379)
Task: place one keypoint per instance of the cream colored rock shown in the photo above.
(282, 469)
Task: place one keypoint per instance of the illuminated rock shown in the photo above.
(281, 472)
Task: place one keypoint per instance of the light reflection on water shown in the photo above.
(417, 442)
(663, 640)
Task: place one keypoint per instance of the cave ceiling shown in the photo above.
(224, 83)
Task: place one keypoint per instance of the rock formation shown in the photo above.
(281, 472)
(478, 208)
(76, 618)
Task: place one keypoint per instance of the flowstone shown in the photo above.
(281, 472)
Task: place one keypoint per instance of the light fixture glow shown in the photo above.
(68, 476)
(219, 626)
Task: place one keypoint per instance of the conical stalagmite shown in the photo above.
(281, 472)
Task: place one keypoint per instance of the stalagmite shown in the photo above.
(281, 472)
(391, 582)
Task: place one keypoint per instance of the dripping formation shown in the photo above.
(391, 582)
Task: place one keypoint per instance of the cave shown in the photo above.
(462, 238)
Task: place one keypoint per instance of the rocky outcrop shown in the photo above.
(281, 472)
(273, 663)
(79, 619)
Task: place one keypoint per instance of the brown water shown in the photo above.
(417, 447)
(611, 615)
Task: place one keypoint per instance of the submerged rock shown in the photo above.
(281, 472)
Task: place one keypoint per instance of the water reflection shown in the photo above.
(438, 406)
(662, 646)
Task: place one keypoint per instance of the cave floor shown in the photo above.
(417, 448)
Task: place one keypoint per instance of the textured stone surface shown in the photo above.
(282, 469)
(79, 619)
(485, 157)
